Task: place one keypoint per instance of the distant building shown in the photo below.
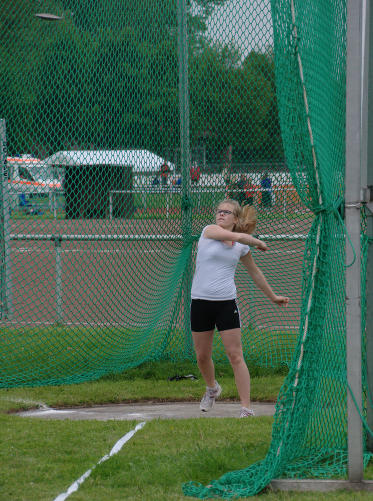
(91, 176)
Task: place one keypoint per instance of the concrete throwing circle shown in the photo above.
(147, 412)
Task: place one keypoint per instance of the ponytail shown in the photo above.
(246, 215)
(246, 220)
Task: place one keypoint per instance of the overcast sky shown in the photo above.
(246, 23)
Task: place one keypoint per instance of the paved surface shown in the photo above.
(146, 412)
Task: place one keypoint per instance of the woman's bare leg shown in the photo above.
(203, 346)
(233, 346)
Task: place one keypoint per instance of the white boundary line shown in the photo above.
(117, 447)
(37, 250)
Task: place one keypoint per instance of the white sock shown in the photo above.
(213, 387)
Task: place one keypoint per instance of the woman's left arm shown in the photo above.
(259, 279)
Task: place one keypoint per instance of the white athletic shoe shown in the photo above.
(209, 397)
(245, 412)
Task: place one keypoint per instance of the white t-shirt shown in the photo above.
(215, 269)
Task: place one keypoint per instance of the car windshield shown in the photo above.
(44, 172)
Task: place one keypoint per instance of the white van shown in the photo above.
(29, 177)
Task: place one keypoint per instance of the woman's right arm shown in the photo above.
(215, 232)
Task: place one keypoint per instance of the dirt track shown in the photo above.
(99, 279)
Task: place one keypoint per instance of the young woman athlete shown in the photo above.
(220, 247)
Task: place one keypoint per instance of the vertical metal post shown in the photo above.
(5, 264)
(352, 221)
(369, 321)
(54, 205)
(184, 116)
(367, 187)
(110, 205)
(185, 155)
(57, 245)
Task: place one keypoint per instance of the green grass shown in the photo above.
(60, 354)
(165, 453)
(41, 459)
(150, 381)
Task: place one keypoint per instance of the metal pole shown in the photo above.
(282, 237)
(184, 115)
(367, 187)
(57, 245)
(369, 323)
(54, 205)
(352, 221)
(185, 155)
(6, 280)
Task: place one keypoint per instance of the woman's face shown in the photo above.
(225, 216)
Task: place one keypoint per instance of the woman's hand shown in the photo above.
(253, 242)
(261, 246)
(281, 301)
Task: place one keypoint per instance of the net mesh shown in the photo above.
(124, 123)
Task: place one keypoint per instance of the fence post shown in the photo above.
(5, 275)
(353, 224)
(54, 204)
(185, 156)
(367, 186)
(57, 244)
(110, 205)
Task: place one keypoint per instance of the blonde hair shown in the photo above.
(246, 215)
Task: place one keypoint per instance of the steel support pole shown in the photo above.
(367, 188)
(369, 322)
(352, 221)
(6, 309)
(185, 156)
(184, 115)
(59, 311)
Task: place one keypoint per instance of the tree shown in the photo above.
(233, 104)
(107, 76)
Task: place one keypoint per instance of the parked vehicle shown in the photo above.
(30, 178)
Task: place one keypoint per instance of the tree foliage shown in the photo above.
(107, 77)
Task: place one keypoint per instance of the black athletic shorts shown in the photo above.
(206, 315)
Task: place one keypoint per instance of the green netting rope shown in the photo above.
(122, 125)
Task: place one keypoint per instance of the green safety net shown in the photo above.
(123, 124)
